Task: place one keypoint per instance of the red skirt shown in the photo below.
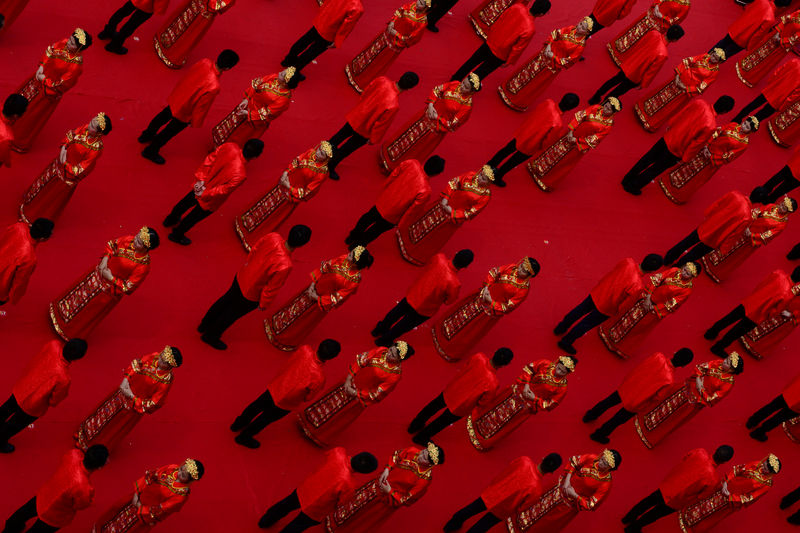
(680, 183)
(78, 311)
(487, 13)
(121, 517)
(237, 129)
(625, 332)
(762, 339)
(660, 105)
(363, 513)
(457, 333)
(40, 107)
(527, 83)
(719, 266)
(755, 65)
(264, 216)
(420, 238)
(292, 323)
(792, 429)
(373, 61)
(784, 128)
(674, 411)
(487, 426)
(11, 9)
(705, 514)
(550, 514)
(113, 419)
(416, 140)
(552, 165)
(328, 416)
(48, 195)
(181, 32)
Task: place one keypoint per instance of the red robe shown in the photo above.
(725, 220)
(6, 141)
(694, 478)
(44, 382)
(404, 191)
(518, 486)
(645, 61)
(328, 486)
(541, 129)
(624, 281)
(691, 130)
(754, 24)
(437, 284)
(222, 172)
(475, 385)
(192, 97)
(184, 29)
(630, 39)
(769, 298)
(266, 270)
(764, 55)
(299, 379)
(607, 12)
(783, 86)
(66, 492)
(17, 261)
(336, 19)
(156, 7)
(511, 33)
(647, 383)
(376, 110)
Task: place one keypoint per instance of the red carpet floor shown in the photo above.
(577, 233)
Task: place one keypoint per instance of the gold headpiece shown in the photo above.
(168, 356)
(526, 262)
(80, 35)
(402, 348)
(433, 453)
(608, 455)
(144, 234)
(720, 53)
(754, 121)
(357, 251)
(101, 120)
(327, 149)
(289, 73)
(774, 462)
(488, 172)
(475, 80)
(428, 3)
(788, 203)
(191, 467)
(615, 103)
(567, 362)
(735, 358)
(589, 22)
(692, 268)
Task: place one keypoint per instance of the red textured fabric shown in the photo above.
(622, 282)
(754, 24)
(646, 383)
(607, 12)
(17, 261)
(376, 110)
(266, 269)
(66, 492)
(405, 190)
(510, 34)
(691, 129)
(769, 298)
(437, 285)
(791, 393)
(299, 379)
(694, 478)
(45, 381)
(540, 129)
(157, 7)
(337, 18)
(783, 86)
(474, 385)
(645, 60)
(520, 483)
(6, 140)
(329, 485)
(725, 219)
(192, 97)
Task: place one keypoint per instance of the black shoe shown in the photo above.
(499, 182)
(633, 528)
(288, 62)
(383, 341)
(794, 253)
(7, 448)
(559, 329)
(170, 221)
(211, 341)
(790, 499)
(266, 521)
(453, 525)
(332, 174)
(433, 28)
(116, 49)
(595, 99)
(145, 137)
(415, 426)
(627, 519)
(710, 334)
(589, 417)
(751, 422)
(759, 435)
(347, 242)
(247, 442)
(794, 519)
(377, 331)
(719, 351)
(599, 437)
(631, 190)
(155, 157)
(238, 424)
(106, 34)
(420, 439)
(567, 347)
(300, 77)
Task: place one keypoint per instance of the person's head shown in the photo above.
(787, 205)
(539, 7)
(324, 152)
(724, 104)
(723, 454)
(42, 229)
(14, 106)
(569, 101)
(502, 357)
(289, 77)
(95, 457)
(79, 41)
(100, 124)
(299, 236)
(690, 270)
(717, 55)
(170, 357)
(252, 149)
(682, 357)
(674, 33)
(610, 459)
(361, 257)
(434, 165)
(565, 365)
(611, 105)
(584, 26)
(400, 351)
(146, 239)
(227, 59)
(485, 175)
(795, 276)
(328, 349)
(733, 364)
(463, 259)
(430, 455)
(750, 124)
(651, 263)
(74, 349)
(550, 463)
(528, 267)
(423, 5)
(471, 83)
(771, 464)
(191, 470)
(363, 463)
(408, 80)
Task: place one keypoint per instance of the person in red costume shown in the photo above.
(137, 12)
(370, 378)
(511, 491)
(222, 172)
(368, 121)
(18, 257)
(642, 387)
(764, 55)
(466, 322)
(640, 66)
(723, 222)
(541, 387)
(752, 26)
(769, 334)
(122, 268)
(143, 391)
(725, 145)
(14, 107)
(742, 487)
(298, 381)
(188, 103)
(58, 72)
(475, 385)
(540, 130)
(332, 284)
(784, 407)
(693, 76)
(583, 486)
(58, 500)
(437, 285)
(49, 193)
(607, 12)
(768, 300)
(266, 99)
(329, 486)
(781, 183)
(584, 133)
(333, 23)
(406, 190)
(44, 383)
(423, 232)
(401, 484)
(562, 49)
(255, 285)
(156, 495)
(781, 92)
(299, 183)
(693, 479)
(661, 15)
(508, 37)
(448, 107)
(623, 282)
(403, 31)
(185, 27)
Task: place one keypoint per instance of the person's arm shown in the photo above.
(347, 26)
(201, 108)
(380, 126)
(20, 279)
(58, 392)
(271, 288)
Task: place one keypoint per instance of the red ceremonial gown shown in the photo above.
(328, 486)
(647, 383)
(421, 135)
(694, 478)
(334, 281)
(517, 487)
(437, 284)
(469, 320)
(422, 232)
(373, 377)
(49, 193)
(488, 425)
(376, 110)
(624, 281)
(761, 340)
(305, 175)
(44, 382)
(17, 261)
(117, 415)
(765, 55)
(66, 492)
(185, 27)
(264, 273)
(61, 69)
(192, 97)
(630, 40)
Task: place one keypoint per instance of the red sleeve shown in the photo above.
(273, 285)
(22, 275)
(201, 174)
(382, 124)
(347, 25)
(59, 392)
(201, 109)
